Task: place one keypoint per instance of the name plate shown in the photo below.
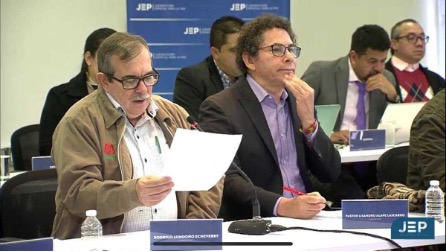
(42, 162)
(42, 244)
(367, 139)
(368, 213)
(189, 234)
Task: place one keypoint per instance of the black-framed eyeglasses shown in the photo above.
(412, 38)
(133, 82)
(279, 50)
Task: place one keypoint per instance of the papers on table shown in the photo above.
(197, 160)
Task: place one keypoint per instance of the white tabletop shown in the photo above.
(301, 239)
(348, 156)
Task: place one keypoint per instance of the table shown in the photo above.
(348, 156)
(301, 239)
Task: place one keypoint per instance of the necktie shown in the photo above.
(361, 168)
(360, 107)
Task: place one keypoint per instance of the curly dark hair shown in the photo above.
(251, 35)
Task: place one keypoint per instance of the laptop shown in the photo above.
(327, 116)
(402, 114)
(41, 163)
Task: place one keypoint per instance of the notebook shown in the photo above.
(42, 162)
(402, 114)
(327, 116)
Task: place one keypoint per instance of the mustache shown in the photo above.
(139, 97)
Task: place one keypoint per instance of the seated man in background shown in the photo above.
(108, 149)
(215, 73)
(62, 97)
(408, 45)
(427, 145)
(274, 111)
(361, 85)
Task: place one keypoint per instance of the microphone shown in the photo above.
(254, 226)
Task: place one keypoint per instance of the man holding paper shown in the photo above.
(109, 149)
(274, 112)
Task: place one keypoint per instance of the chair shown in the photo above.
(392, 165)
(27, 204)
(24, 146)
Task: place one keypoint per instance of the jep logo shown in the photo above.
(191, 30)
(238, 7)
(413, 228)
(144, 7)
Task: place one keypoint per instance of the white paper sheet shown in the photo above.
(197, 160)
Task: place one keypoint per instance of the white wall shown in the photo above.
(42, 41)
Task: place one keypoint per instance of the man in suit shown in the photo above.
(215, 73)
(340, 82)
(274, 111)
(337, 82)
(408, 46)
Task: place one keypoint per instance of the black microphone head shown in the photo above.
(190, 119)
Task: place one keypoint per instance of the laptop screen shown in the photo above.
(402, 114)
(327, 115)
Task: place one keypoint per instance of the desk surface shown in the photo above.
(348, 156)
(301, 239)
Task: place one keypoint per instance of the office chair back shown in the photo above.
(24, 146)
(27, 204)
(392, 165)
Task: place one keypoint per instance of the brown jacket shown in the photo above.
(95, 169)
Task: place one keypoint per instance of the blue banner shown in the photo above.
(177, 31)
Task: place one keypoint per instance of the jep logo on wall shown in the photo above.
(144, 7)
(413, 228)
(196, 30)
(253, 7)
(159, 7)
(238, 7)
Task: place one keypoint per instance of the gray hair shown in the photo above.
(124, 45)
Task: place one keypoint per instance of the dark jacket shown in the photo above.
(427, 145)
(236, 110)
(58, 101)
(435, 80)
(195, 83)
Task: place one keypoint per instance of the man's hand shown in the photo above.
(379, 81)
(340, 137)
(151, 190)
(302, 207)
(304, 99)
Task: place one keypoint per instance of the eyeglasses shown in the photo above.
(412, 38)
(132, 82)
(279, 50)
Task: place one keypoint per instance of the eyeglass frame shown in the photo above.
(414, 37)
(298, 49)
(157, 74)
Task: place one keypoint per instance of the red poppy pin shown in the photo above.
(108, 149)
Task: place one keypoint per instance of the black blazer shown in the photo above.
(195, 83)
(435, 81)
(236, 110)
(58, 101)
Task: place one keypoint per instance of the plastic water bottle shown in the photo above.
(91, 231)
(434, 201)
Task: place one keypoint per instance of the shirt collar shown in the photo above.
(402, 65)
(151, 110)
(261, 93)
(352, 77)
(224, 77)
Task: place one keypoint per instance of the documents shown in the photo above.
(197, 160)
